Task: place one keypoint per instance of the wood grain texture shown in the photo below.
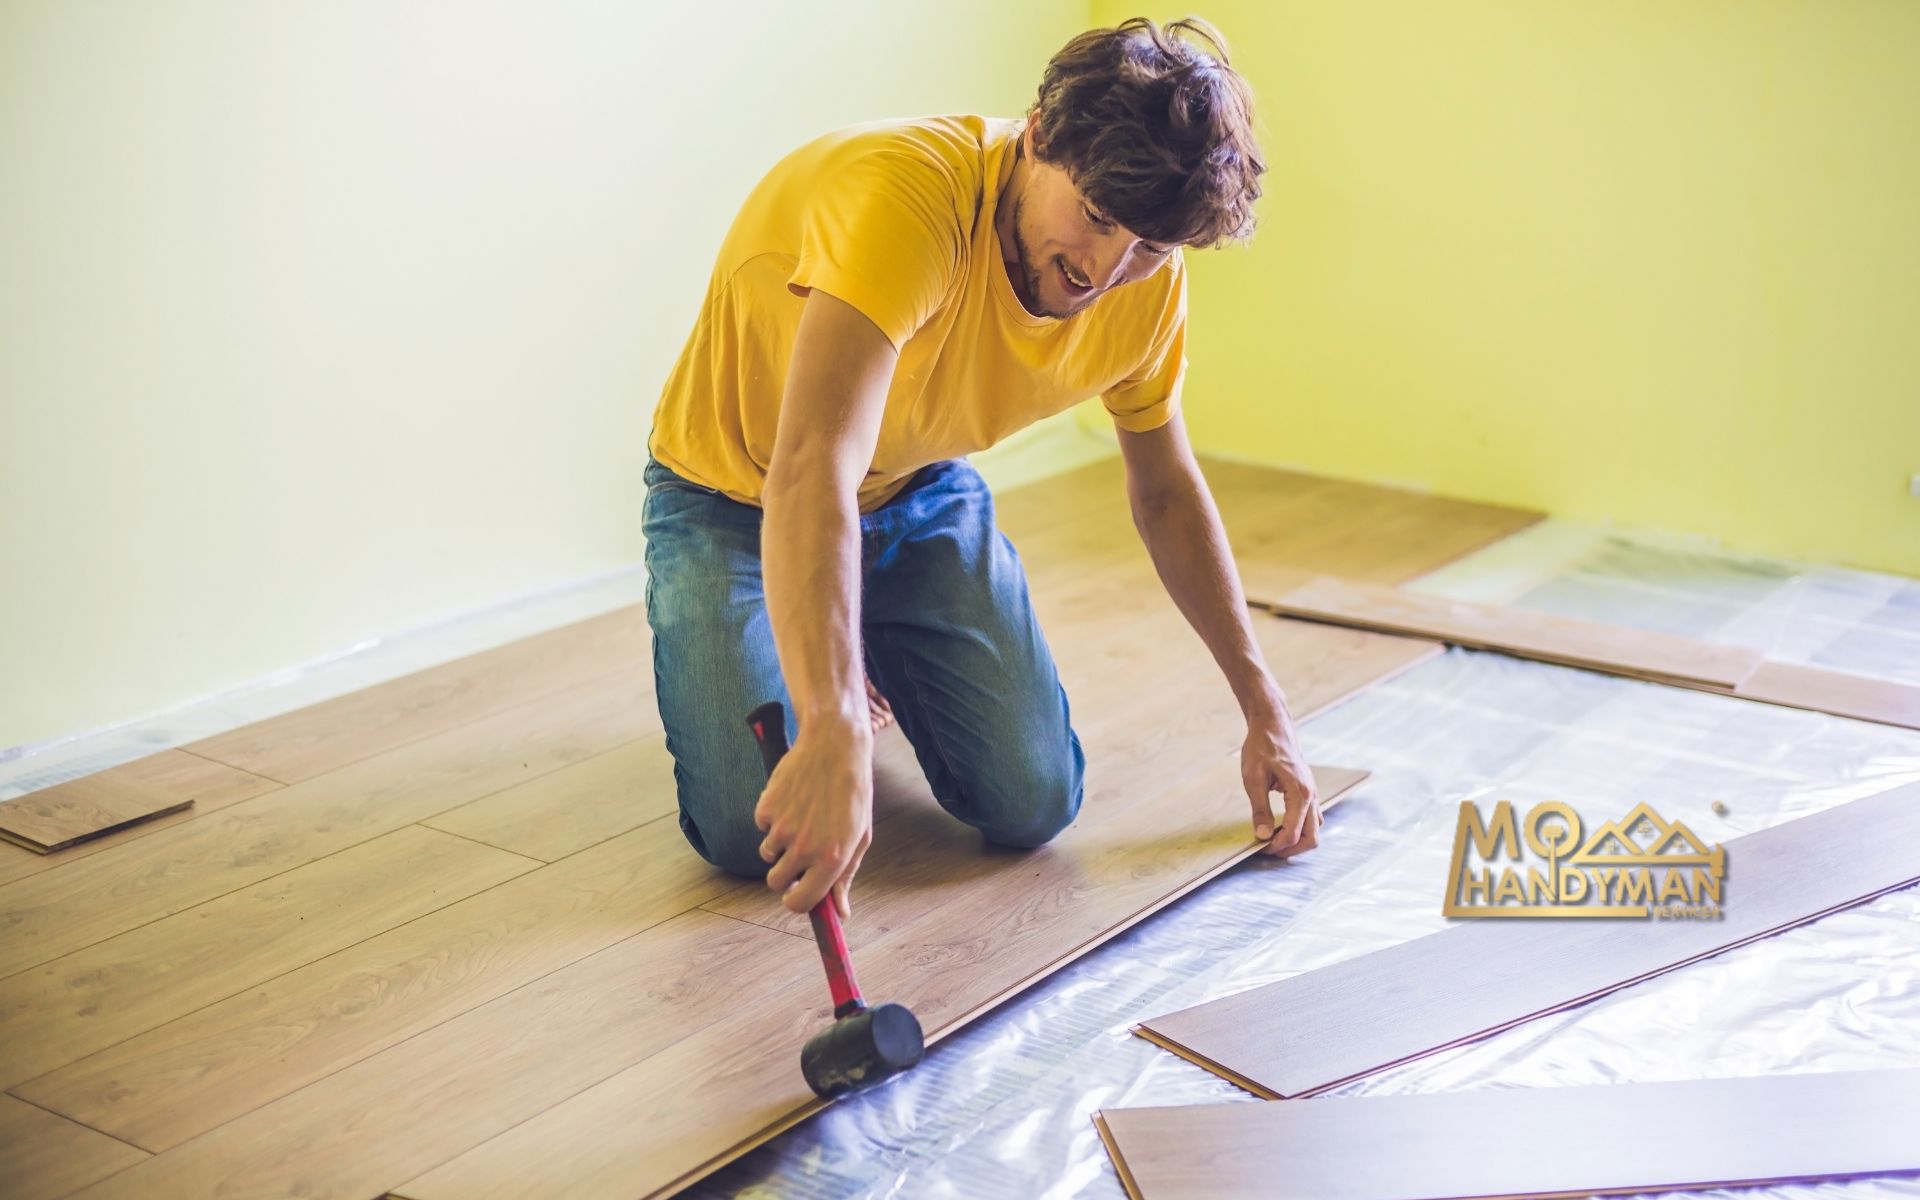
(925, 860)
(350, 1135)
(1316, 1030)
(580, 806)
(1566, 640)
(41, 825)
(43, 1156)
(1023, 921)
(163, 784)
(1844, 695)
(430, 1042)
(93, 998)
(1638, 654)
(323, 737)
(1071, 527)
(190, 1075)
(1524, 1142)
(56, 912)
(1103, 611)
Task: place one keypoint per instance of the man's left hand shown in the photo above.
(1271, 761)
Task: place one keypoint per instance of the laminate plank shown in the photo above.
(1638, 654)
(43, 1157)
(1605, 1140)
(390, 1116)
(346, 729)
(165, 781)
(56, 912)
(603, 797)
(1025, 918)
(1317, 1030)
(1844, 695)
(126, 985)
(184, 1078)
(924, 861)
(1565, 640)
(41, 825)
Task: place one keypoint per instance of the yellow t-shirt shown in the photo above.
(896, 218)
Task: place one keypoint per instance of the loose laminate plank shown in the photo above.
(1516, 630)
(166, 781)
(1838, 692)
(126, 985)
(184, 1078)
(42, 825)
(1319, 1029)
(1524, 1142)
(56, 912)
(350, 1135)
(43, 1156)
(1634, 653)
(333, 733)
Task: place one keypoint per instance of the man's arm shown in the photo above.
(1177, 520)
(817, 808)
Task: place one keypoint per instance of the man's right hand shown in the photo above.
(817, 811)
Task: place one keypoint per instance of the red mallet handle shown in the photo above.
(833, 953)
(769, 725)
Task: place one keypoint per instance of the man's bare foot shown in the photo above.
(878, 710)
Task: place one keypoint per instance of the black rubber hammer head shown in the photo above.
(860, 1050)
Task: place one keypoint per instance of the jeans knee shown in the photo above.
(726, 844)
(1040, 804)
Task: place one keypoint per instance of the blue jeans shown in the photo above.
(949, 638)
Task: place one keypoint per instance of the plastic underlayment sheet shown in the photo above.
(1002, 1107)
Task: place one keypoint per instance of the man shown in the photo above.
(891, 297)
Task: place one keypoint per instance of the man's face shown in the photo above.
(1060, 239)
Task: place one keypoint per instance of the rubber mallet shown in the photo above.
(863, 1045)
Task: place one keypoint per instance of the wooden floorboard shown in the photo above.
(334, 733)
(353, 1133)
(1317, 1030)
(56, 912)
(957, 961)
(190, 1075)
(114, 990)
(44, 1157)
(581, 806)
(424, 1044)
(1609, 1139)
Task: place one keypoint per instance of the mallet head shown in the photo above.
(861, 1049)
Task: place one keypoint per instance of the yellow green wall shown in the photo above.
(324, 319)
(1654, 262)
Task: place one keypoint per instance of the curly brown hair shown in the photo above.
(1155, 131)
